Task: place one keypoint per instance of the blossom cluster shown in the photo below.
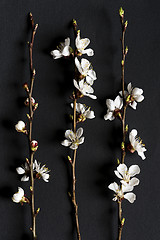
(83, 83)
(25, 170)
(116, 110)
(128, 182)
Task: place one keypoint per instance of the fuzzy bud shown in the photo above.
(34, 145)
(26, 88)
(121, 12)
(21, 127)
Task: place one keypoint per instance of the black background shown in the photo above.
(99, 21)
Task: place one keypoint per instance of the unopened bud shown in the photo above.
(26, 88)
(69, 159)
(34, 72)
(126, 128)
(126, 50)
(125, 24)
(37, 211)
(35, 107)
(122, 62)
(122, 146)
(121, 12)
(34, 145)
(122, 222)
(118, 161)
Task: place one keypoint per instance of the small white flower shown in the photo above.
(81, 44)
(86, 70)
(84, 112)
(136, 144)
(133, 95)
(126, 174)
(63, 50)
(84, 88)
(19, 196)
(73, 139)
(24, 170)
(131, 197)
(41, 172)
(114, 108)
(20, 126)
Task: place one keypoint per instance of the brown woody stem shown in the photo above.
(120, 227)
(74, 176)
(32, 72)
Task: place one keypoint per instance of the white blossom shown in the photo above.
(81, 44)
(84, 111)
(73, 139)
(114, 107)
(136, 144)
(127, 175)
(133, 95)
(63, 50)
(84, 88)
(84, 67)
(24, 170)
(19, 196)
(20, 126)
(41, 172)
(131, 197)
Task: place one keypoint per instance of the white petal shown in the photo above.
(117, 174)
(69, 134)
(141, 154)
(78, 65)
(25, 178)
(90, 114)
(126, 188)
(88, 51)
(114, 186)
(20, 170)
(56, 54)
(137, 91)
(66, 51)
(79, 132)
(139, 98)
(85, 64)
(80, 108)
(75, 84)
(132, 135)
(67, 41)
(122, 168)
(66, 143)
(109, 116)
(81, 140)
(133, 105)
(129, 88)
(89, 80)
(45, 177)
(92, 74)
(133, 170)
(134, 181)
(91, 96)
(110, 104)
(118, 102)
(131, 197)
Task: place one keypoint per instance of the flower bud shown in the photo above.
(25, 86)
(121, 12)
(34, 145)
(21, 127)
(27, 101)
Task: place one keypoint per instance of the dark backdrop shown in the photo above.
(99, 21)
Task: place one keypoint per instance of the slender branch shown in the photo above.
(74, 177)
(31, 112)
(120, 224)
(120, 220)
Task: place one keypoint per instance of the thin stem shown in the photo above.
(120, 220)
(74, 177)
(120, 224)
(32, 71)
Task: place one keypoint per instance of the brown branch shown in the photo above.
(31, 112)
(74, 176)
